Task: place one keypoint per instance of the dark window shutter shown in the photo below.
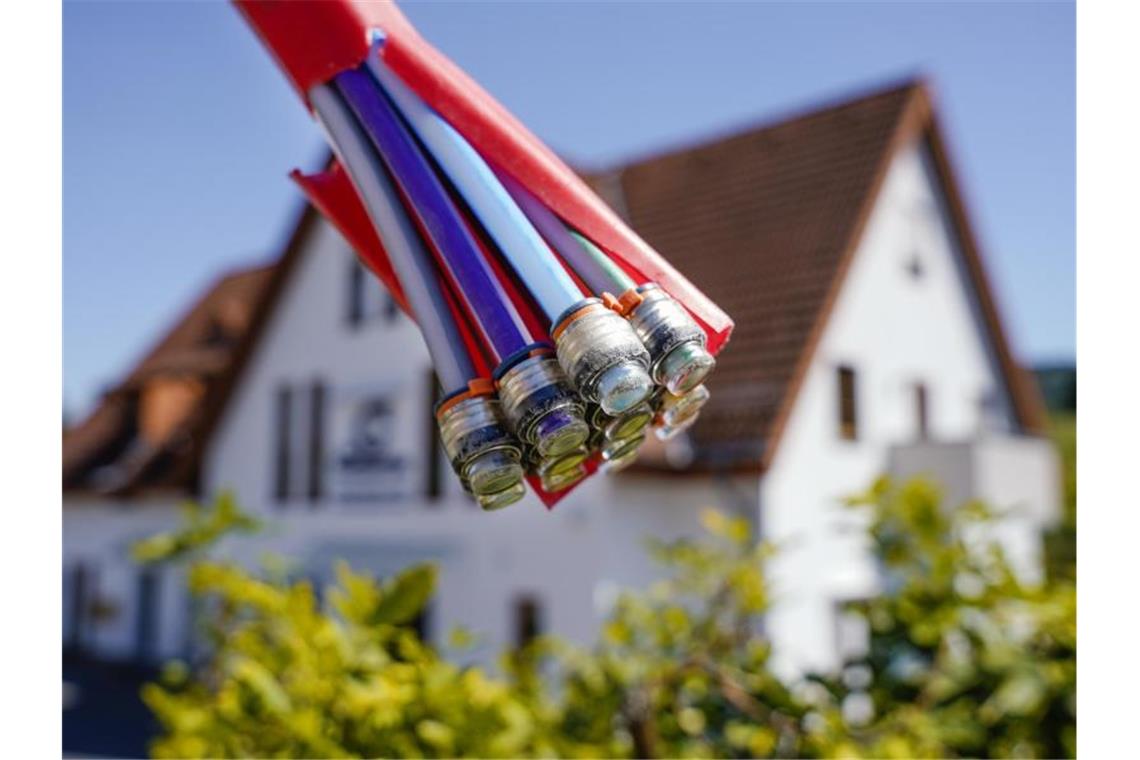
(357, 279)
(848, 411)
(922, 411)
(528, 620)
(147, 617)
(433, 456)
(317, 396)
(421, 624)
(284, 425)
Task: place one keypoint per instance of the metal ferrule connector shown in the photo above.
(508, 496)
(560, 481)
(483, 454)
(676, 343)
(617, 455)
(560, 472)
(603, 357)
(541, 408)
(562, 463)
(679, 412)
(556, 473)
(621, 426)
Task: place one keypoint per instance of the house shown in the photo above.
(867, 341)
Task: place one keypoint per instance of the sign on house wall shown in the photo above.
(370, 459)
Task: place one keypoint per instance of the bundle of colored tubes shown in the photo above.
(556, 353)
(584, 358)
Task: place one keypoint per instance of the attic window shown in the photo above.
(367, 299)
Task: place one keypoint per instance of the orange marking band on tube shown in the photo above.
(561, 326)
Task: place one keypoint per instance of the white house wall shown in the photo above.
(572, 559)
(894, 330)
(97, 535)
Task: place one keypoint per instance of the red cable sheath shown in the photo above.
(312, 40)
(332, 193)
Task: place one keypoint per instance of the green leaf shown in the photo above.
(405, 595)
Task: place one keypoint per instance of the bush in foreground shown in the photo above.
(963, 659)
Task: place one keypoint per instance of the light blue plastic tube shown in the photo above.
(525, 250)
(600, 275)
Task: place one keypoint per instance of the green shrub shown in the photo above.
(963, 659)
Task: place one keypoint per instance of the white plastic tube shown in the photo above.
(525, 250)
(412, 264)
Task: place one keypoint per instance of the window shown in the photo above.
(921, 411)
(848, 416)
(527, 619)
(368, 299)
(357, 279)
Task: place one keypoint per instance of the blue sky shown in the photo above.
(179, 131)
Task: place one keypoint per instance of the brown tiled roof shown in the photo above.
(765, 223)
(207, 348)
(202, 341)
(105, 453)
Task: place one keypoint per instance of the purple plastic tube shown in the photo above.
(440, 219)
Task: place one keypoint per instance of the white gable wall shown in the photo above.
(894, 330)
(307, 339)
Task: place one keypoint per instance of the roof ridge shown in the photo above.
(241, 271)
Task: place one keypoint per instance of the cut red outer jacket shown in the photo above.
(313, 40)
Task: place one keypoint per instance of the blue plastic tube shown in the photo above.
(441, 220)
(523, 248)
(413, 264)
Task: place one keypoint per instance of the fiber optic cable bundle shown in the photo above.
(561, 340)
